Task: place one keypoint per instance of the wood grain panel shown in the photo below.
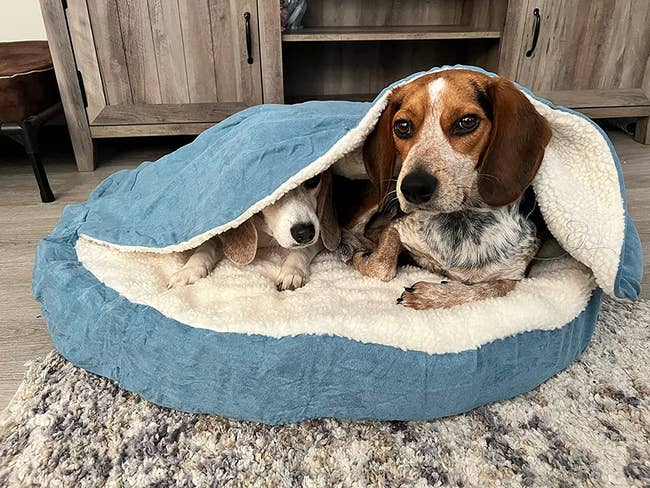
(512, 40)
(270, 52)
(236, 79)
(169, 49)
(197, 43)
(395, 33)
(638, 46)
(586, 44)
(85, 55)
(167, 113)
(597, 98)
(614, 112)
(226, 50)
(105, 25)
(66, 77)
(382, 12)
(109, 131)
(484, 14)
(139, 50)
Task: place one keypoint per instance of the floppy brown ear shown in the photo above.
(517, 142)
(379, 153)
(330, 231)
(240, 243)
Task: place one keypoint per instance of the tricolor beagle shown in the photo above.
(456, 150)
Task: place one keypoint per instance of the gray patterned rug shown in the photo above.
(588, 426)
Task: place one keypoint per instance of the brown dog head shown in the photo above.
(464, 139)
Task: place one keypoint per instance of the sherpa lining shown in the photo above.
(339, 301)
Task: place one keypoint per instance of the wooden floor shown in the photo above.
(24, 220)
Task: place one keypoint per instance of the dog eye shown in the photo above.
(466, 124)
(403, 128)
(312, 182)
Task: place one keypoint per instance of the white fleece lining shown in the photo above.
(339, 301)
(588, 220)
(578, 193)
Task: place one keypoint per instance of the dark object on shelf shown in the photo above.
(28, 98)
(295, 11)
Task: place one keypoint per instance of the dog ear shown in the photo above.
(516, 148)
(330, 231)
(379, 153)
(240, 243)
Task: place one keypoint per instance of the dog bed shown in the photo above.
(339, 347)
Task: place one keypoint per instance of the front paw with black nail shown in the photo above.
(427, 296)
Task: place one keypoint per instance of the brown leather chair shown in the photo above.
(29, 97)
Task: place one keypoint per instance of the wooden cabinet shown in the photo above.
(162, 67)
(152, 67)
(591, 55)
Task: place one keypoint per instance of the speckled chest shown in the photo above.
(468, 239)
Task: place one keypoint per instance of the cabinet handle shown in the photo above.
(537, 25)
(249, 42)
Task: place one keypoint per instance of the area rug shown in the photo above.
(587, 426)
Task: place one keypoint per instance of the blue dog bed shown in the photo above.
(338, 347)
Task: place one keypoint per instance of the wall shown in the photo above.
(21, 20)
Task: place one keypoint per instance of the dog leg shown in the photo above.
(382, 263)
(200, 264)
(295, 269)
(424, 295)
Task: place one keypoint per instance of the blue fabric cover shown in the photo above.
(213, 180)
(207, 184)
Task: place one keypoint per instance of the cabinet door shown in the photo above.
(164, 66)
(598, 48)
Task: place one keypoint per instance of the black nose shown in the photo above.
(303, 233)
(419, 187)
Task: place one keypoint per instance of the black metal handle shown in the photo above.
(249, 42)
(537, 25)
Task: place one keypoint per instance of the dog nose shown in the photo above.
(303, 233)
(419, 187)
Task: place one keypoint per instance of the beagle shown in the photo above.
(302, 221)
(464, 147)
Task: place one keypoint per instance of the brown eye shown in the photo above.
(403, 128)
(466, 124)
(312, 182)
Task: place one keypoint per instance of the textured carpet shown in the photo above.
(588, 426)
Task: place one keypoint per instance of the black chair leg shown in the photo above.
(26, 133)
(31, 128)
(41, 178)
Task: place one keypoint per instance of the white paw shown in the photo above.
(290, 279)
(187, 275)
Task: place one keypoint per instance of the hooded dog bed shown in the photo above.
(233, 345)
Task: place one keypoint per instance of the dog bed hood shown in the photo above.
(251, 159)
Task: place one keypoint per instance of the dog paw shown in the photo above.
(290, 279)
(427, 296)
(187, 275)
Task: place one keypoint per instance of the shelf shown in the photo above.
(393, 33)
(349, 97)
(622, 102)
